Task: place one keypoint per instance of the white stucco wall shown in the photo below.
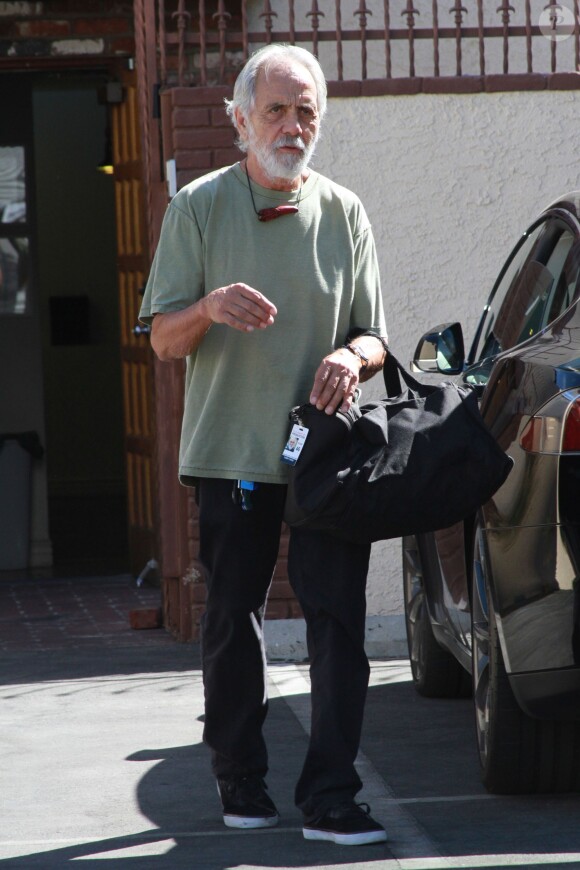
(449, 183)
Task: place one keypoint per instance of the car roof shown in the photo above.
(570, 202)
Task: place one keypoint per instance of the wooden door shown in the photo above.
(136, 355)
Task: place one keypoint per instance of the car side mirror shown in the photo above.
(441, 350)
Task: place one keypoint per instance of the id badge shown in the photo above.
(295, 444)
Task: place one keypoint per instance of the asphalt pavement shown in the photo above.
(102, 761)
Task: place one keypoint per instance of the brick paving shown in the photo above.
(46, 613)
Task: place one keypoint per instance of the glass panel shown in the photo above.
(12, 184)
(538, 285)
(567, 286)
(524, 311)
(489, 342)
(14, 267)
(541, 284)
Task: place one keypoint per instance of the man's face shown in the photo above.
(283, 126)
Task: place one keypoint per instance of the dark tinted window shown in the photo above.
(539, 283)
(567, 287)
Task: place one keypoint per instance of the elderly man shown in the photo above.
(265, 278)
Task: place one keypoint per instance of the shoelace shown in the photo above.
(354, 810)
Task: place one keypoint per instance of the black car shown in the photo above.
(492, 604)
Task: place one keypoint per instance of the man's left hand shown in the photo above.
(335, 381)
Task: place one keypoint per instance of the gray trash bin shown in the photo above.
(16, 454)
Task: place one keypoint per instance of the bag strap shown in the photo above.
(392, 368)
(391, 377)
(393, 371)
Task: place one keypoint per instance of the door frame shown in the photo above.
(171, 499)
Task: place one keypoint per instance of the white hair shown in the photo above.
(264, 58)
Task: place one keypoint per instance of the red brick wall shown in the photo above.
(197, 133)
(66, 28)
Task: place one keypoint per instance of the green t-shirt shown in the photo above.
(318, 267)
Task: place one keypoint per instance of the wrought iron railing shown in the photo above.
(206, 42)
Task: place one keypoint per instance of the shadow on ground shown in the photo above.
(423, 749)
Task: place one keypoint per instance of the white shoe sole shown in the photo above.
(250, 822)
(361, 839)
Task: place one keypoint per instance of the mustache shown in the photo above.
(290, 142)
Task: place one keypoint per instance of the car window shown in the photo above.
(567, 287)
(539, 282)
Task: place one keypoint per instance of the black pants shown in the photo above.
(238, 551)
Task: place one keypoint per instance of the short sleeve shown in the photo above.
(367, 309)
(176, 279)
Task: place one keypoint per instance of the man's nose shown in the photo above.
(292, 123)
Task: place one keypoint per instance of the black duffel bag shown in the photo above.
(418, 460)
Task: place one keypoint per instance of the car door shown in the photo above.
(537, 284)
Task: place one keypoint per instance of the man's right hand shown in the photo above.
(238, 306)
(176, 334)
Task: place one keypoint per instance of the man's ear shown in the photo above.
(241, 124)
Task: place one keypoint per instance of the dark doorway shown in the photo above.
(73, 326)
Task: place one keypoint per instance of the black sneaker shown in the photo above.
(348, 825)
(245, 802)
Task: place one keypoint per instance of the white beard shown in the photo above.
(285, 165)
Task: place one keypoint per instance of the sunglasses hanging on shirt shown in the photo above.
(270, 214)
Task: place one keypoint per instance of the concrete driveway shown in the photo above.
(102, 765)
